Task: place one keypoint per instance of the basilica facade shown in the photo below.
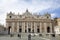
(29, 23)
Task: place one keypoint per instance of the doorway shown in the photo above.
(9, 29)
(48, 29)
(29, 30)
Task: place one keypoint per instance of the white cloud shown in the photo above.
(21, 5)
(53, 15)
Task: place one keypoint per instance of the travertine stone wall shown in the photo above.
(33, 20)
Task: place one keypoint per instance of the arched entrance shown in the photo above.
(20, 30)
(48, 29)
(29, 30)
(9, 29)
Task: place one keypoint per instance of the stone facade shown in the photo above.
(57, 26)
(3, 30)
(29, 23)
(57, 21)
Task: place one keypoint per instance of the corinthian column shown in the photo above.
(45, 28)
(40, 27)
(7, 25)
(12, 31)
(18, 27)
(35, 28)
(27, 27)
(51, 27)
(31, 26)
(23, 26)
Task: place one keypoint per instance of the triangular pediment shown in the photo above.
(27, 14)
(10, 13)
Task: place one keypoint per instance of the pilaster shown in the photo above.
(12, 28)
(23, 27)
(18, 27)
(35, 28)
(51, 27)
(40, 27)
(45, 28)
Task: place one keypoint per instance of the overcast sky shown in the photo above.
(34, 6)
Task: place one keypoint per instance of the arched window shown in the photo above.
(48, 29)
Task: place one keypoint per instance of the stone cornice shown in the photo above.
(28, 20)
